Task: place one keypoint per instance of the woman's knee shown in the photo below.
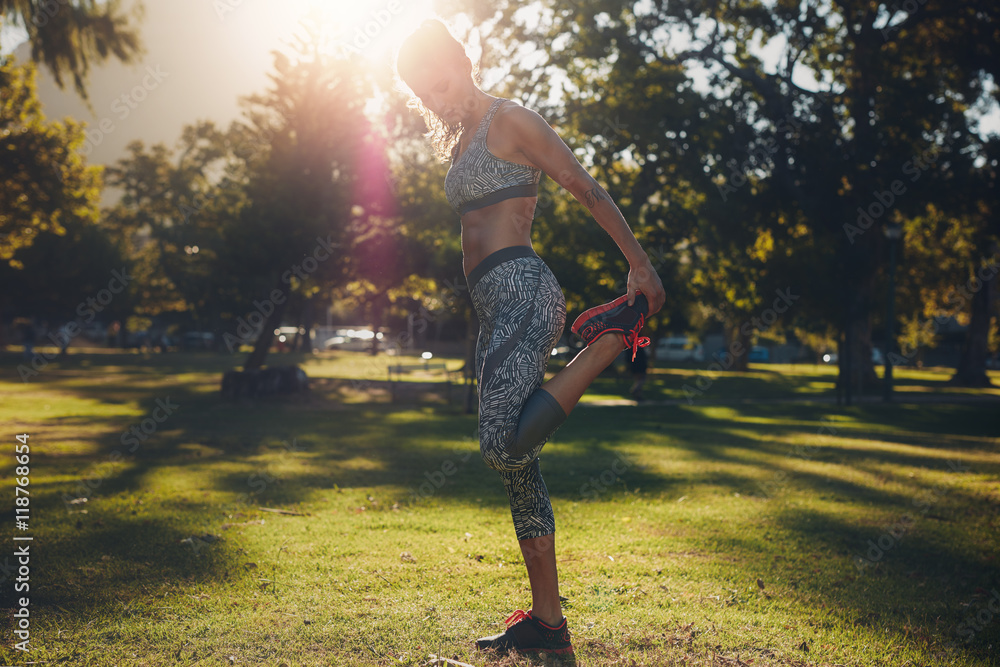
(540, 416)
(497, 453)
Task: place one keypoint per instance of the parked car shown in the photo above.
(877, 357)
(355, 340)
(286, 334)
(564, 347)
(759, 354)
(678, 348)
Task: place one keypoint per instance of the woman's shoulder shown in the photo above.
(514, 116)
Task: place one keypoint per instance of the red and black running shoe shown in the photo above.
(615, 317)
(528, 635)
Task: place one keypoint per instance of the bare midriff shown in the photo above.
(491, 228)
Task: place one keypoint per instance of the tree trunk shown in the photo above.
(841, 389)
(736, 340)
(378, 307)
(971, 370)
(859, 255)
(123, 334)
(308, 320)
(862, 374)
(856, 370)
(266, 337)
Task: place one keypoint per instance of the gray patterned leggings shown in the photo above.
(522, 313)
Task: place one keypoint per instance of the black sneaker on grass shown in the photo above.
(615, 317)
(530, 636)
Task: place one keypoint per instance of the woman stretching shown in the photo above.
(498, 150)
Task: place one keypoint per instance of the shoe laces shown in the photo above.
(517, 617)
(634, 340)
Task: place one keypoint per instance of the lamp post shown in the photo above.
(893, 232)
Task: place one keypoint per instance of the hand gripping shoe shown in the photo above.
(615, 317)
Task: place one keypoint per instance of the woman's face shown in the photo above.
(447, 90)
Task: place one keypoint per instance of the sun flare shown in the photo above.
(370, 28)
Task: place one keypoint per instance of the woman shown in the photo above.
(498, 151)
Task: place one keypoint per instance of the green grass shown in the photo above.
(660, 563)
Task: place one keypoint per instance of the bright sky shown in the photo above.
(202, 55)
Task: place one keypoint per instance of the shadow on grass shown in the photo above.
(94, 562)
(409, 448)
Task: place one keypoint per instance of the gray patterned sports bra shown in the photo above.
(478, 178)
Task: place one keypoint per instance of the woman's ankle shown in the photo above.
(552, 619)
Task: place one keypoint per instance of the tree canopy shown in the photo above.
(69, 36)
(759, 150)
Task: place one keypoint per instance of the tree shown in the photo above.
(305, 132)
(79, 274)
(684, 167)
(66, 35)
(171, 219)
(861, 83)
(979, 289)
(45, 180)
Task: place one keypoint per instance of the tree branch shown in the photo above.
(910, 22)
(846, 9)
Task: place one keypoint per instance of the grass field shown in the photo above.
(694, 534)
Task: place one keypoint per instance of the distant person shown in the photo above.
(498, 151)
(638, 366)
(63, 337)
(113, 330)
(28, 336)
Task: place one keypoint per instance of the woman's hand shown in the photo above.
(642, 276)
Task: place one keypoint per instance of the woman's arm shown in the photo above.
(530, 135)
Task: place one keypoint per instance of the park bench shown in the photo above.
(437, 369)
